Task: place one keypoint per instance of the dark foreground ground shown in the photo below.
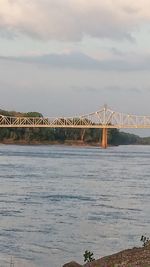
(135, 257)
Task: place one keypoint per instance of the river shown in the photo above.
(58, 201)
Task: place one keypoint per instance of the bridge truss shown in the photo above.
(104, 118)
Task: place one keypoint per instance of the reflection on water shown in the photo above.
(58, 201)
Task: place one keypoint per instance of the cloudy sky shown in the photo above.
(66, 57)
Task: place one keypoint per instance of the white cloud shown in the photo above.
(70, 20)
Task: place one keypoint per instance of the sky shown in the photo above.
(68, 57)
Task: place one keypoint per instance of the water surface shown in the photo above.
(58, 201)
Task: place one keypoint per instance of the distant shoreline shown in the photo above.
(67, 143)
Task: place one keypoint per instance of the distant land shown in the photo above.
(62, 135)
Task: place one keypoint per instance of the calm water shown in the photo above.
(58, 201)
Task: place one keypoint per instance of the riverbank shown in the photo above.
(35, 142)
(135, 257)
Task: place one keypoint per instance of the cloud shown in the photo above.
(121, 89)
(66, 60)
(72, 60)
(71, 20)
(85, 89)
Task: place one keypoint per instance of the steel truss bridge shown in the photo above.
(104, 118)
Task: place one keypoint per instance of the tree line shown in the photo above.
(61, 135)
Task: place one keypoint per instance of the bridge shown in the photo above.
(104, 118)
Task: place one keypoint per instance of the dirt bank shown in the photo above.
(135, 257)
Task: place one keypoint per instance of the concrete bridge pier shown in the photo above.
(104, 138)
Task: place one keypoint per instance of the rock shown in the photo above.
(72, 264)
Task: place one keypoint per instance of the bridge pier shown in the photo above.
(104, 138)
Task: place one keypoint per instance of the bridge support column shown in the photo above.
(104, 138)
